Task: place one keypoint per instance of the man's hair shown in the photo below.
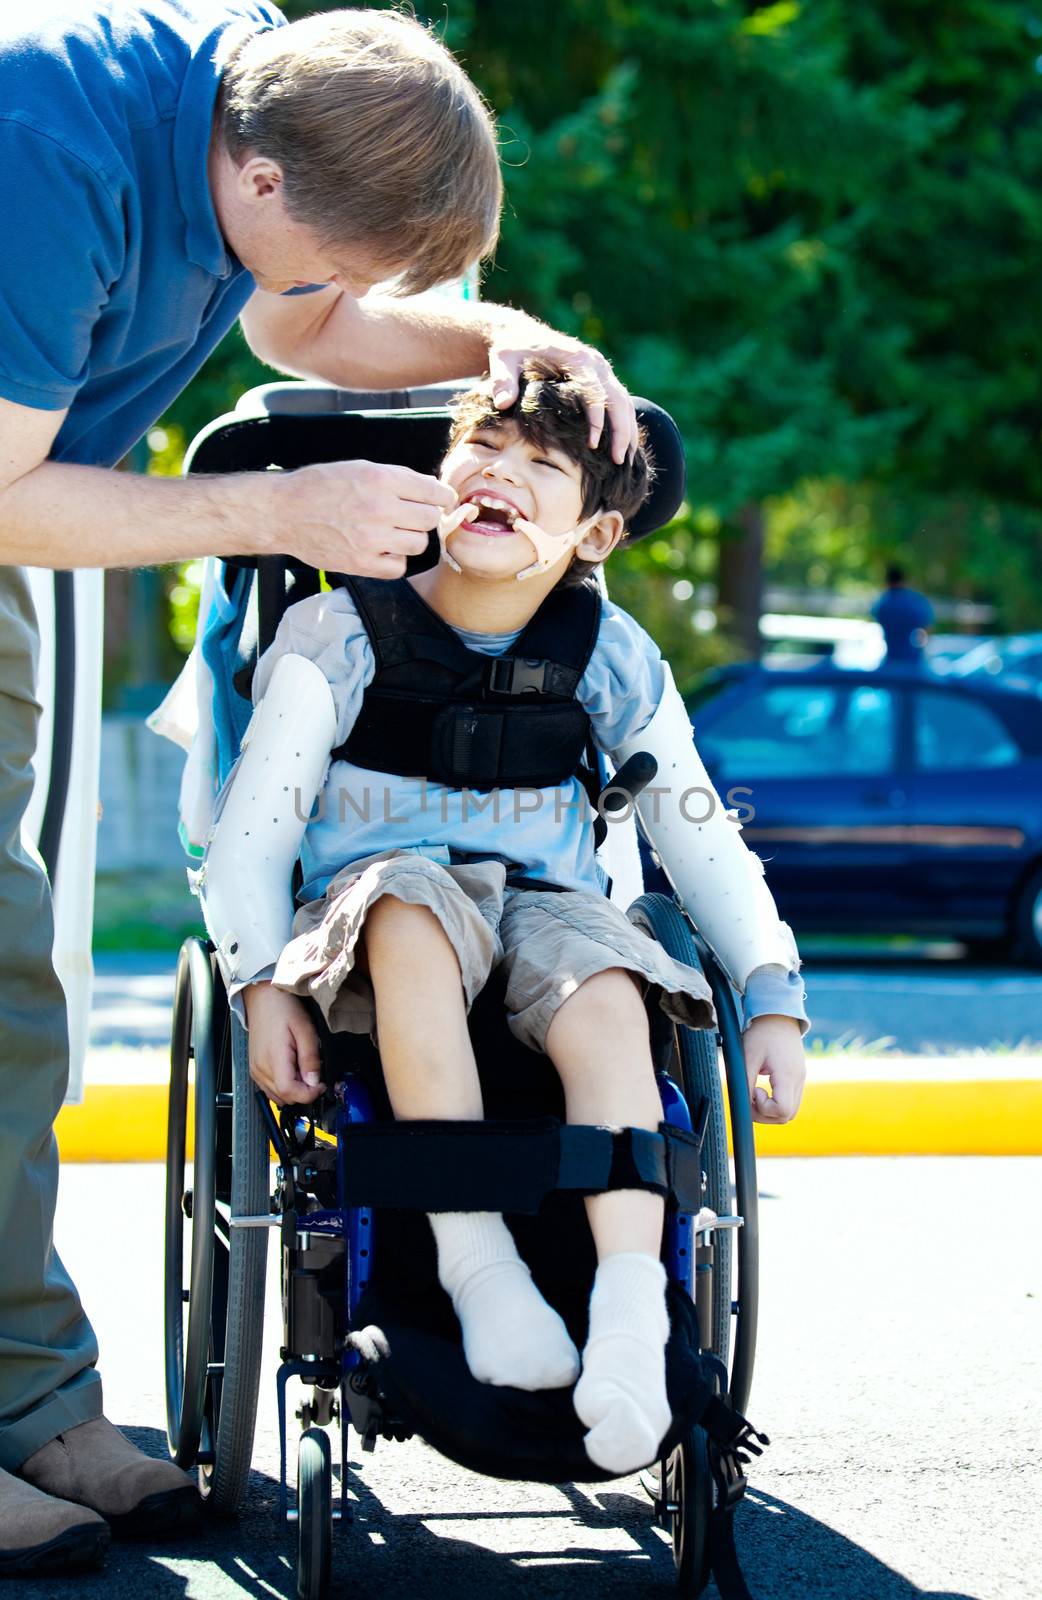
(895, 574)
(383, 140)
(551, 412)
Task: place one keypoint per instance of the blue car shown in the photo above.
(885, 801)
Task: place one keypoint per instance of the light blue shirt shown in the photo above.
(547, 832)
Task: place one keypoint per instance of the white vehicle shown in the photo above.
(843, 641)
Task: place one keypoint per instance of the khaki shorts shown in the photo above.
(546, 942)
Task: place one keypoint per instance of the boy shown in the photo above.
(410, 903)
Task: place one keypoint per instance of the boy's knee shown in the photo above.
(614, 991)
(395, 924)
(608, 1004)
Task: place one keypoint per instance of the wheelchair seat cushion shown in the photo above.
(511, 1433)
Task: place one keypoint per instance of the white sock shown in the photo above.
(621, 1396)
(511, 1337)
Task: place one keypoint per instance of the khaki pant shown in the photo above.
(47, 1347)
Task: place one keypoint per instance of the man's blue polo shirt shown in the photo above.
(115, 282)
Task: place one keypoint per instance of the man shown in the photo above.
(166, 165)
(904, 616)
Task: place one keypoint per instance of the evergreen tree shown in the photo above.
(813, 233)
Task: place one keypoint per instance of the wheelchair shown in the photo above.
(351, 1186)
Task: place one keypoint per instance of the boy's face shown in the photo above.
(499, 464)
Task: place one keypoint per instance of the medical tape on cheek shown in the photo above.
(451, 522)
(549, 547)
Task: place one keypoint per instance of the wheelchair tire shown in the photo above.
(240, 1274)
(689, 1494)
(314, 1515)
(213, 1363)
(186, 1346)
(696, 1065)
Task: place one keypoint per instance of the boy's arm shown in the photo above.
(245, 884)
(718, 878)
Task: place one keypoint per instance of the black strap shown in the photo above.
(553, 649)
(564, 629)
(438, 709)
(478, 747)
(512, 1166)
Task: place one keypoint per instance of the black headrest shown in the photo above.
(414, 439)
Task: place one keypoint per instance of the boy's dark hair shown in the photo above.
(895, 574)
(550, 410)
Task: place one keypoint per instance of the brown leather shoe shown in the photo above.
(95, 1466)
(40, 1535)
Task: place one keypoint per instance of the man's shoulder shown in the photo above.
(84, 74)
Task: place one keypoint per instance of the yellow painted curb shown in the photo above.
(839, 1117)
(884, 1117)
(117, 1122)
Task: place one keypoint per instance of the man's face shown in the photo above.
(279, 251)
(284, 254)
(510, 476)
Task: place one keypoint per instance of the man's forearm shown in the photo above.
(61, 515)
(380, 343)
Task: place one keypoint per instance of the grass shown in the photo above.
(850, 1044)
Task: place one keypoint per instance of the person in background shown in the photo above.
(904, 616)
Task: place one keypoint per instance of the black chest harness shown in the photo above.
(439, 710)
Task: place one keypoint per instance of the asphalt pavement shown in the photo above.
(929, 1000)
(898, 1376)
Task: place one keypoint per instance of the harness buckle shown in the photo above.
(517, 675)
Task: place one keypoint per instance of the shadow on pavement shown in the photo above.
(786, 1555)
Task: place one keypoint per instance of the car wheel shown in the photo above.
(1029, 920)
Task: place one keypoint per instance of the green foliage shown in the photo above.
(812, 231)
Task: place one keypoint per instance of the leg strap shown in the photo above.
(511, 1166)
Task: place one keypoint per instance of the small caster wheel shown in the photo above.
(314, 1515)
(689, 1498)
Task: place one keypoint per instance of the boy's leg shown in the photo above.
(510, 1335)
(598, 1041)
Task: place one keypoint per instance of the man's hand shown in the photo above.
(506, 356)
(284, 1054)
(774, 1050)
(358, 517)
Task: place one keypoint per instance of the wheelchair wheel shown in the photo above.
(695, 1065)
(314, 1515)
(213, 1361)
(689, 1498)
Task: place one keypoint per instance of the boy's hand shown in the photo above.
(284, 1054)
(774, 1050)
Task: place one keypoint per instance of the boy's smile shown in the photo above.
(509, 477)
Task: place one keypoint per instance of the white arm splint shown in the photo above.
(245, 884)
(718, 878)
